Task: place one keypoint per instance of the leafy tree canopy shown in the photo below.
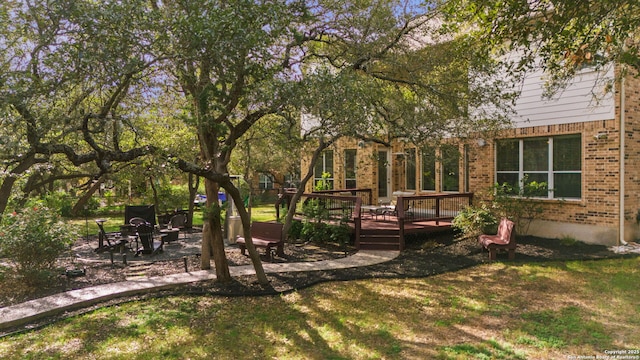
(564, 35)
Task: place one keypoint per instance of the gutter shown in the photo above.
(622, 160)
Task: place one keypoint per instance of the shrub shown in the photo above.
(295, 230)
(519, 205)
(33, 239)
(475, 220)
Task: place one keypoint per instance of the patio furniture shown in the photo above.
(113, 241)
(375, 211)
(150, 246)
(178, 221)
(504, 240)
(146, 212)
(266, 235)
(171, 234)
(394, 203)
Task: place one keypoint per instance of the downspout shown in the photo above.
(622, 160)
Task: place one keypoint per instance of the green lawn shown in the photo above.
(495, 311)
(260, 213)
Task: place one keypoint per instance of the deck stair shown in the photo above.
(380, 239)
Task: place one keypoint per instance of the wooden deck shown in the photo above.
(385, 227)
(378, 234)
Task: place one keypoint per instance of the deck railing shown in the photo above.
(332, 208)
(432, 207)
(366, 195)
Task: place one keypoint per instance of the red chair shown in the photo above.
(504, 240)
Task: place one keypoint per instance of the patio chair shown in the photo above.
(137, 221)
(149, 245)
(394, 202)
(178, 221)
(504, 240)
(113, 241)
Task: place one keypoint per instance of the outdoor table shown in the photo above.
(376, 210)
(171, 234)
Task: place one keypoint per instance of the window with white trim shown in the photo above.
(324, 165)
(350, 169)
(450, 167)
(555, 161)
(265, 182)
(410, 169)
(429, 168)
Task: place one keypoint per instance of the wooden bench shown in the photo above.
(504, 240)
(265, 235)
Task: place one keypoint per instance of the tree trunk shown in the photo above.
(156, 201)
(84, 199)
(291, 211)
(212, 242)
(246, 227)
(10, 179)
(194, 183)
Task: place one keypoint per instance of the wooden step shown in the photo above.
(380, 240)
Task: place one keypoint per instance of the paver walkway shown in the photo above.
(27, 312)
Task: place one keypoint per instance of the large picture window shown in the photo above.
(450, 168)
(350, 169)
(410, 169)
(429, 168)
(324, 165)
(555, 161)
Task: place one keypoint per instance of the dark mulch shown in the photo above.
(424, 256)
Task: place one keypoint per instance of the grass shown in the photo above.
(82, 226)
(493, 311)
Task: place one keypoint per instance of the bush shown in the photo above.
(475, 220)
(33, 239)
(519, 205)
(295, 230)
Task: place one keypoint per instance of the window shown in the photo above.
(429, 169)
(410, 169)
(554, 161)
(450, 168)
(324, 165)
(350, 169)
(265, 182)
(291, 181)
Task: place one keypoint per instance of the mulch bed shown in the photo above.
(423, 256)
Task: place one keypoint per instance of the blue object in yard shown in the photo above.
(200, 200)
(222, 197)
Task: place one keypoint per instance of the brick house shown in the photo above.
(571, 142)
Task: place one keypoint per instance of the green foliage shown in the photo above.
(519, 204)
(323, 184)
(317, 232)
(475, 220)
(295, 230)
(33, 239)
(59, 200)
(340, 234)
(315, 209)
(63, 203)
(569, 37)
(170, 197)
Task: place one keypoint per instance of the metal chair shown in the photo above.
(178, 221)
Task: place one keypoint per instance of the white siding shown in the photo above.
(583, 100)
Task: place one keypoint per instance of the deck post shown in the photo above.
(357, 222)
